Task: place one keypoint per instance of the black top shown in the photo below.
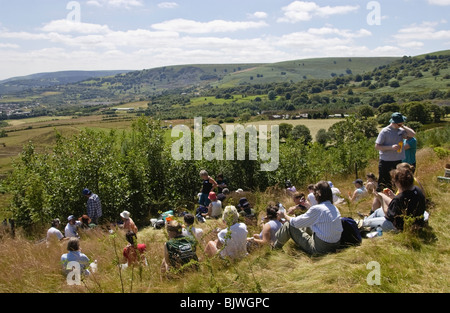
(409, 203)
(207, 186)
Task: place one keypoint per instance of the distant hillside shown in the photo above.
(299, 70)
(16, 84)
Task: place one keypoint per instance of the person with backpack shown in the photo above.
(323, 221)
(178, 250)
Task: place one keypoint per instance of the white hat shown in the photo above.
(125, 215)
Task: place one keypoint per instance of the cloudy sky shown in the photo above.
(57, 35)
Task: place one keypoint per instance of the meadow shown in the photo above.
(408, 263)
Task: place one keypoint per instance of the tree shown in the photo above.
(301, 132)
(322, 137)
(365, 111)
(245, 117)
(285, 130)
(272, 95)
(417, 112)
(394, 84)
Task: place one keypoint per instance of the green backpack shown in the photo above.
(181, 251)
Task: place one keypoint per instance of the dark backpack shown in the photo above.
(351, 236)
(181, 251)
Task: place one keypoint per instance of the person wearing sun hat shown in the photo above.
(389, 143)
(128, 223)
(215, 207)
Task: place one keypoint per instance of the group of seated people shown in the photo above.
(313, 223)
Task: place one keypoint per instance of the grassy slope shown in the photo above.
(407, 264)
(321, 68)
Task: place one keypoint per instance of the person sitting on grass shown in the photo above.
(245, 209)
(215, 207)
(133, 253)
(232, 241)
(323, 221)
(189, 229)
(311, 198)
(54, 233)
(270, 228)
(409, 202)
(74, 255)
(178, 250)
(301, 204)
(372, 186)
(128, 223)
(72, 227)
(360, 191)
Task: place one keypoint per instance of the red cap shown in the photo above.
(212, 196)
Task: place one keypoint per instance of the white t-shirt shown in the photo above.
(54, 232)
(236, 246)
(216, 208)
(336, 195)
(197, 233)
(312, 199)
(71, 230)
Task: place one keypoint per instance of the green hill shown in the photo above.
(17, 84)
(299, 70)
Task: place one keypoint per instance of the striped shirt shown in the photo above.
(94, 207)
(324, 220)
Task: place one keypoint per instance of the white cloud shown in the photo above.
(66, 26)
(439, 2)
(115, 3)
(216, 26)
(258, 15)
(301, 11)
(8, 46)
(424, 31)
(167, 5)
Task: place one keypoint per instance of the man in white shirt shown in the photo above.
(324, 221)
(71, 227)
(54, 232)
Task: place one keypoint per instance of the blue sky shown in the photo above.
(57, 35)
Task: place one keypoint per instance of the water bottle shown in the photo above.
(379, 231)
(94, 266)
(281, 208)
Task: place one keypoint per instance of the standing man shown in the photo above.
(94, 206)
(390, 146)
(410, 144)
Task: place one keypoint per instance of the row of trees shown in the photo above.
(135, 171)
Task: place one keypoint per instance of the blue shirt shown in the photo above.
(75, 256)
(410, 154)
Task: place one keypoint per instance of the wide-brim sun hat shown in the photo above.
(125, 215)
(397, 118)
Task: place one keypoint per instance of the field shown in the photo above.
(42, 130)
(408, 264)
